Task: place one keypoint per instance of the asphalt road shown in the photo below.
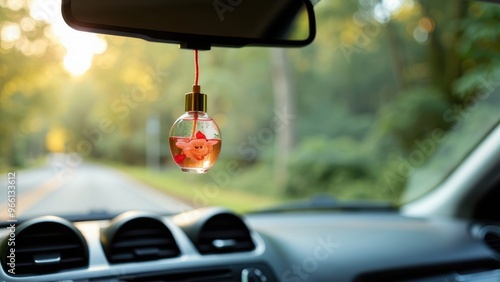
(86, 188)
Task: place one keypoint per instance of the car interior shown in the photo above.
(413, 194)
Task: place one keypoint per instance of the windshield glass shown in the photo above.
(390, 97)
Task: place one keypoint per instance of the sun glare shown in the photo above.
(77, 64)
(80, 46)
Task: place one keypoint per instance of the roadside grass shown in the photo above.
(30, 164)
(199, 190)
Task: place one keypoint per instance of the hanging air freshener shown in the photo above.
(195, 140)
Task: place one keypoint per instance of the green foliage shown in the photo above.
(326, 164)
(27, 75)
(480, 49)
(413, 114)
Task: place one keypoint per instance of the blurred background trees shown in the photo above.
(379, 80)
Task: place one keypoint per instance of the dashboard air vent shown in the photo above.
(45, 245)
(133, 238)
(224, 233)
(492, 239)
(490, 234)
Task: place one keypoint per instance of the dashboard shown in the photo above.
(214, 244)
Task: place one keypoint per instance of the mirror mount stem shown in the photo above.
(201, 46)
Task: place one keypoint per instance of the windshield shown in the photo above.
(390, 97)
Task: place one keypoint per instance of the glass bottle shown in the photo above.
(195, 140)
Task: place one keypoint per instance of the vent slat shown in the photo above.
(141, 232)
(140, 242)
(168, 253)
(227, 233)
(54, 248)
(64, 262)
(122, 257)
(43, 236)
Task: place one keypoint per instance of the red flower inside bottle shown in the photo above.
(195, 149)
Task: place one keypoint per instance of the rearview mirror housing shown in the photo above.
(198, 24)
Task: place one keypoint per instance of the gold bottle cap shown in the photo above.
(196, 101)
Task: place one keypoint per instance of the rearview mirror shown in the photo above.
(198, 24)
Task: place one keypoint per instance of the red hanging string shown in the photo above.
(197, 68)
(196, 83)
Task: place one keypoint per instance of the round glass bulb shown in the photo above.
(195, 142)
